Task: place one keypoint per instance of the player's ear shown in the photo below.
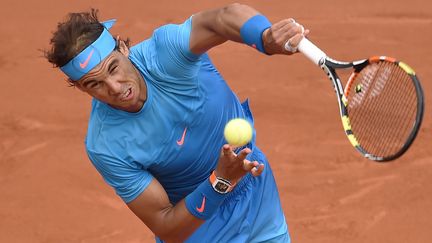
(122, 47)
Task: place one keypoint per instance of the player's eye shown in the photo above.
(94, 84)
(113, 69)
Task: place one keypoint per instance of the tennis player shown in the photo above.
(159, 108)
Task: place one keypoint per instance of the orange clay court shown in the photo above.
(50, 192)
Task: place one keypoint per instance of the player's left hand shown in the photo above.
(233, 167)
(283, 37)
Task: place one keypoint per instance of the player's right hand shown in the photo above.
(283, 37)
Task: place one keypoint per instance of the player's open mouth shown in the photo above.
(127, 95)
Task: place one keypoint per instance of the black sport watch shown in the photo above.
(219, 184)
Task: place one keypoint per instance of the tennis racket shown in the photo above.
(381, 105)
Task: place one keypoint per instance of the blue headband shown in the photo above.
(92, 55)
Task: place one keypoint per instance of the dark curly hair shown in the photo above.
(74, 35)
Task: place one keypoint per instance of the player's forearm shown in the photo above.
(241, 23)
(168, 222)
(202, 203)
(214, 27)
(230, 19)
(177, 224)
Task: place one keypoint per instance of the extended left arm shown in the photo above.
(214, 27)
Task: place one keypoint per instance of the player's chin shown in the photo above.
(128, 106)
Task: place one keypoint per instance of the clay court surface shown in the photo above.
(51, 193)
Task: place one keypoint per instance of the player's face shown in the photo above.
(117, 82)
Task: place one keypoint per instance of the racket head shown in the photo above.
(382, 107)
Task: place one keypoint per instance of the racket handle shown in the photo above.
(311, 51)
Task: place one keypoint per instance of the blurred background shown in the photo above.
(50, 192)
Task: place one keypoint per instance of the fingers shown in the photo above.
(242, 155)
(283, 24)
(295, 35)
(227, 150)
(253, 167)
(283, 37)
(292, 43)
(231, 163)
(256, 171)
(284, 30)
(249, 165)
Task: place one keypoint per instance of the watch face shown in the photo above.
(221, 187)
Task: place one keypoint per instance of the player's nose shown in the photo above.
(114, 86)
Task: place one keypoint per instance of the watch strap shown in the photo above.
(219, 184)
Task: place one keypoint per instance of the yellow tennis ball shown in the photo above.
(238, 132)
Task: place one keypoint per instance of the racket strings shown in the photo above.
(393, 139)
(387, 142)
(383, 140)
(403, 133)
(397, 139)
(382, 108)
